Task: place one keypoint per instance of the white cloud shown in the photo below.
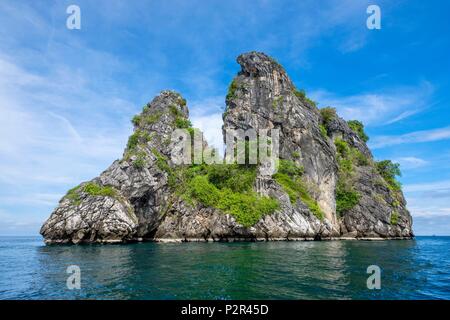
(410, 162)
(429, 211)
(56, 132)
(431, 186)
(18, 224)
(403, 115)
(429, 201)
(38, 199)
(378, 108)
(206, 115)
(432, 225)
(413, 137)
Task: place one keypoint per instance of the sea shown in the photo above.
(392, 269)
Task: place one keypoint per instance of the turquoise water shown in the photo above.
(411, 269)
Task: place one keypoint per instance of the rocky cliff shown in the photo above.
(327, 184)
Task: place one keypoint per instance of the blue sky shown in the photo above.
(67, 96)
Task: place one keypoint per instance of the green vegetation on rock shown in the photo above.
(182, 101)
(138, 138)
(140, 162)
(348, 158)
(323, 131)
(92, 189)
(221, 186)
(358, 128)
(162, 164)
(349, 154)
(175, 111)
(394, 218)
(136, 119)
(346, 198)
(225, 187)
(182, 123)
(389, 171)
(133, 141)
(289, 177)
(277, 102)
(145, 118)
(328, 114)
(301, 94)
(74, 196)
(232, 90)
(152, 118)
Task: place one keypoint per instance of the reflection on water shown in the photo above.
(417, 269)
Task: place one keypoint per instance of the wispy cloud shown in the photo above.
(411, 162)
(413, 137)
(17, 224)
(429, 211)
(432, 225)
(375, 109)
(430, 186)
(66, 97)
(54, 135)
(429, 199)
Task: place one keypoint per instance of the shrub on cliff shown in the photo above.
(389, 171)
(348, 158)
(346, 198)
(232, 90)
(94, 189)
(301, 94)
(289, 177)
(328, 114)
(394, 218)
(358, 128)
(225, 187)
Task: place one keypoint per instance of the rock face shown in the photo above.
(134, 199)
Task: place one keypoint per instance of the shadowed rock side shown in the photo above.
(137, 197)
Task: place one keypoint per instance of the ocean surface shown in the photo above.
(410, 269)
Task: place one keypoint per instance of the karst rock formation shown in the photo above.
(134, 199)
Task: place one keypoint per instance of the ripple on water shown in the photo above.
(417, 269)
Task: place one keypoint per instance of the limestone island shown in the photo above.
(327, 187)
